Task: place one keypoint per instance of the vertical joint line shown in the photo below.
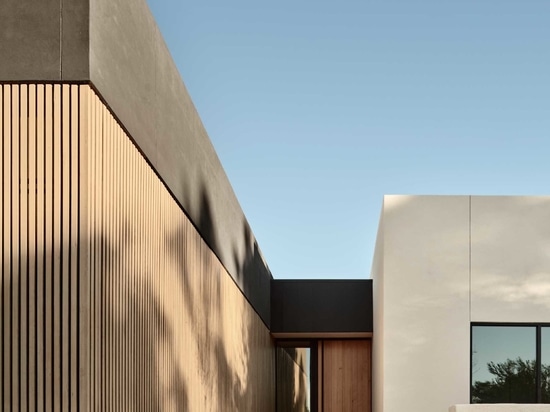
(60, 39)
(470, 258)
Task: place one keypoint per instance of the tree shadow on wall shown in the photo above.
(134, 362)
(140, 350)
(127, 327)
(242, 258)
(232, 376)
(253, 274)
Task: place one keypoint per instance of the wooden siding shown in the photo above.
(345, 373)
(111, 300)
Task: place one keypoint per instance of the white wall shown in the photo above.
(510, 259)
(424, 308)
(442, 262)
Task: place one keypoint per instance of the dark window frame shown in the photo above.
(538, 349)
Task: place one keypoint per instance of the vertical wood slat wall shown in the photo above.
(39, 361)
(110, 298)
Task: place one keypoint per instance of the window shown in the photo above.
(295, 371)
(510, 363)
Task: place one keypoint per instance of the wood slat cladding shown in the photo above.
(345, 375)
(39, 183)
(111, 300)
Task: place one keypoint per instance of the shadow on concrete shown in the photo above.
(238, 252)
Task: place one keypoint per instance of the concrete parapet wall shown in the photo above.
(44, 40)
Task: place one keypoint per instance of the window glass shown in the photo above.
(503, 364)
(545, 364)
(293, 388)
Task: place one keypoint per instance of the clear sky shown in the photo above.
(319, 108)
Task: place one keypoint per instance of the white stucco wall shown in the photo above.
(510, 259)
(424, 308)
(442, 262)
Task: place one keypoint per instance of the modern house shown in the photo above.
(132, 281)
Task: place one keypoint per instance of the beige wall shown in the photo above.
(111, 300)
(422, 351)
(510, 258)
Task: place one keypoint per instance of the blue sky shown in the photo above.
(319, 108)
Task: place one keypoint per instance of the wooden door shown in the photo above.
(345, 376)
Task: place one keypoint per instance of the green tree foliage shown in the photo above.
(514, 381)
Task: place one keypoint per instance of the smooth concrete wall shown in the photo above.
(442, 262)
(510, 259)
(111, 299)
(421, 279)
(43, 40)
(117, 47)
